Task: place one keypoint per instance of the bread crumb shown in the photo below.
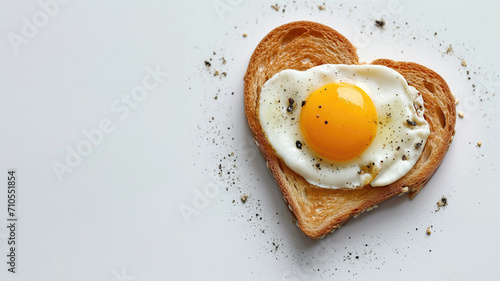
(245, 35)
(428, 230)
(479, 143)
(456, 101)
(464, 63)
(461, 114)
(244, 198)
(449, 50)
(404, 190)
(275, 7)
(321, 7)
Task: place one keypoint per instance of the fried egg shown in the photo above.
(344, 126)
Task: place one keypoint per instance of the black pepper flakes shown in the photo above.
(326, 122)
(419, 144)
(290, 105)
(303, 102)
(380, 23)
(208, 64)
(444, 201)
(411, 123)
(404, 157)
(298, 144)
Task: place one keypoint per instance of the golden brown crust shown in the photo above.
(302, 45)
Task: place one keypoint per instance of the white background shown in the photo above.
(117, 213)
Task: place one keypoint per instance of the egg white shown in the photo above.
(394, 150)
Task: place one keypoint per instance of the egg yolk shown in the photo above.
(338, 121)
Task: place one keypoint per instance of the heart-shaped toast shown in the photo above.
(303, 45)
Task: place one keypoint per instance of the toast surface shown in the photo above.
(302, 45)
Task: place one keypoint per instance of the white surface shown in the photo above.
(117, 216)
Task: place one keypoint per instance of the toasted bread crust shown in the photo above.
(302, 45)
